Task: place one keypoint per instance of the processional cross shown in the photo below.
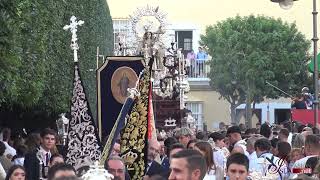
(73, 28)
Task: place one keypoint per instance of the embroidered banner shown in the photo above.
(118, 126)
(83, 142)
(113, 78)
(135, 134)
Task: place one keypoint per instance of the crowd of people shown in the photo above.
(34, 157)
(286, 151)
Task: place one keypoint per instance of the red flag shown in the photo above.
(152, 134)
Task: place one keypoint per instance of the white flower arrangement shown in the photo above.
(255, 175)
(97, 172)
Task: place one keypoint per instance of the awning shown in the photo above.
(311, 64)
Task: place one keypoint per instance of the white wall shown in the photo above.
(264, 109)
(186, 27)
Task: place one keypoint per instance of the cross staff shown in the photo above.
(73, 28)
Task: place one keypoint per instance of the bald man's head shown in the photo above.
(153, 149)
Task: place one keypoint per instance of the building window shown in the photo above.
(197, 113)
(187, 44)
(121, 25)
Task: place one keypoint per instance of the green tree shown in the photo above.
(36, 62)
(248, 51)
(9, 63)
(97, 31)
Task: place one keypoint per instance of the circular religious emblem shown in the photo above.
(147, 19)
(122, 79)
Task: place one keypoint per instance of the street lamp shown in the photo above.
(287, 4)
(63, 127)
(284, 4)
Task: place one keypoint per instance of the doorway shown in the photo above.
(184, 41)
(281, 115)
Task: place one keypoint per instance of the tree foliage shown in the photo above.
(248, 51)
(8, 61)
(36, 62)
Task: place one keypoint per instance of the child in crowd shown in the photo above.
(295, 155)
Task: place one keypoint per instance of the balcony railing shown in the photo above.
(198, 69)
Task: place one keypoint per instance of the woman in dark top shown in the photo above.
(299, 102)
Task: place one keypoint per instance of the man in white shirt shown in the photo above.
(267, 163)
(288, 126)
(311, 149)
(42, 156)
(239, 145)
(253, 158)
(284, 135)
